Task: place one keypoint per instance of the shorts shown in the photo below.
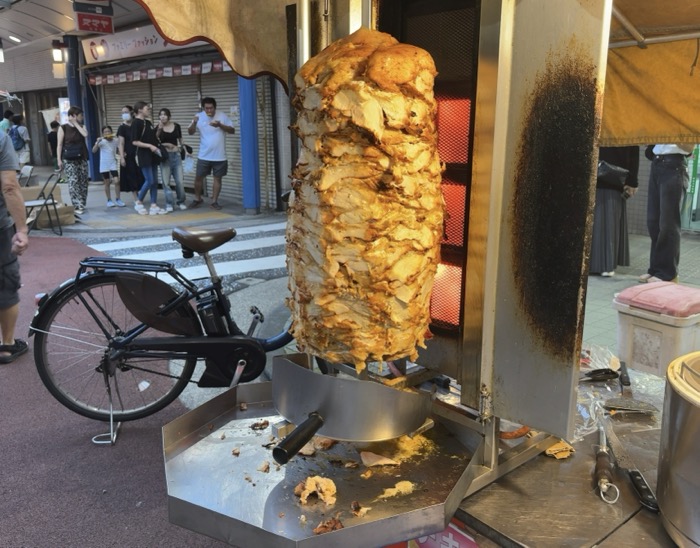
(106, 174)
(23, 157)
(205, 167)
(9, 270)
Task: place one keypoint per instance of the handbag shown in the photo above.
(72, 151)
(612, 175)
(184, 151)
(162, 157)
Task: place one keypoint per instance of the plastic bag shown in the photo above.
(188, 165)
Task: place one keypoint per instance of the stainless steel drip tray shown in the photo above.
(229, 497)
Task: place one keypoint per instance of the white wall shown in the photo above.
(29, 72)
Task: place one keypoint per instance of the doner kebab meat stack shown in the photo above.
(365, 219)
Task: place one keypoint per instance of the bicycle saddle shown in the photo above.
(201, 240)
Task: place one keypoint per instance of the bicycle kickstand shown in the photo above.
(111, 436)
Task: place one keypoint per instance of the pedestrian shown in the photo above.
(6, 122)
(130, 176)
(52, 138)
(14, 241)
(610, 242)
(668, 182)
(213, 127)
(72, 155)
(143, 136)
(20, 139)
(169, 134)
(109, 168)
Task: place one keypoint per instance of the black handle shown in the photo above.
(297, 438)
(603, 467)
(646, 495)
(624, 375)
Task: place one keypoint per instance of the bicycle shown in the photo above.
(117, 343)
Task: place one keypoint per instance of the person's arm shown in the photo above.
(96, 146)
(59, 147)
(122, 157)
(192, 128)
(80, 127)
(686, 146)
(15, 207)
(226, 125)
(25, 135)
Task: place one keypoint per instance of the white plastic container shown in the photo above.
(656, 323)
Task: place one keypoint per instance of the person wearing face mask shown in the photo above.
(130, 176)
(107, 146)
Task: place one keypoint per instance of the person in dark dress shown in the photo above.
(52, 138)
(610, 241)
(130, 176)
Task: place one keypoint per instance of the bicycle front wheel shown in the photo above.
(71, 346)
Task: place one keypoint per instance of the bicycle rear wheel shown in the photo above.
(71, 347)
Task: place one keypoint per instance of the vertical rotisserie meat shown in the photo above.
(366, 217)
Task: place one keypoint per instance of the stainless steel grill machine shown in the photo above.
(520, 98)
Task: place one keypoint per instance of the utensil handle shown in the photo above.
(624, 375)
(646, 495)
(297, 438)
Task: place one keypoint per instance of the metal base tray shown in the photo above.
(226, 497)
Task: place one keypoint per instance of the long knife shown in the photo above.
(624, 462)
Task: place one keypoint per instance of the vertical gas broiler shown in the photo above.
(519, 95)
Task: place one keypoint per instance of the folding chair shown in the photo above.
(44, 201)
(25, 175)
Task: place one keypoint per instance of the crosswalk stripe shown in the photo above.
(175, 253)
(107, 247)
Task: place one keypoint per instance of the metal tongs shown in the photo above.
(603, 473)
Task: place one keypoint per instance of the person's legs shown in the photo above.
(671, 179)
(154, 185)
(219, 170)
(176, 170)
(107, 182)
(9, 299)
(653, 215)
(203, 169)
(165, 180)
(83, 181)
(147, 182)
(117, 186)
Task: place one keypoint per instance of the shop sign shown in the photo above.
(93, 22)
(137, 42)
(169, 71)
(103, 7)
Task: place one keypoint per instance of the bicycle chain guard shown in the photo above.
(145, 296)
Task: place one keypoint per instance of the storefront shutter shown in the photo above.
(118, 95)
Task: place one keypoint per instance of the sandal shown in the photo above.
(216, 205)
(15, 350)
(195, 203)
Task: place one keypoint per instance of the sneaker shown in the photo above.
(182, 206)
(79, 211)
(608, 274)
(110, 203)
(155, 210)
(644, 278)
(653, 279)
(119, 203)
(14, 351)
(138, 206)
(168, 208)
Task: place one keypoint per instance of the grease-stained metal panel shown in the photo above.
(549, 99)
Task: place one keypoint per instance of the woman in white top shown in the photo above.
(109, 168)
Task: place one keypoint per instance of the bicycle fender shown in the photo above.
(52, 296)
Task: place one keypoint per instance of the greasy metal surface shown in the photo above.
(226, 497)
(549, 502)
(547, 115)
(351, 409)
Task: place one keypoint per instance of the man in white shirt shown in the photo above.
(213, 127)
(668, 182)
